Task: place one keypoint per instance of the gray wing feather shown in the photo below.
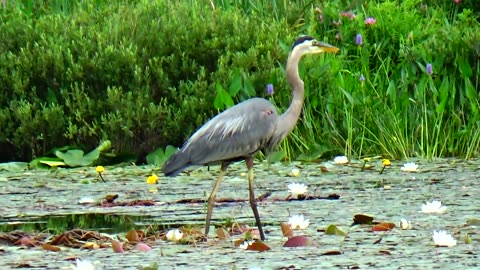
(240, 131)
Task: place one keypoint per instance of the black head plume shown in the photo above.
(301, 39)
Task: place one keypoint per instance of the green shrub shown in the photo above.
(134, 73)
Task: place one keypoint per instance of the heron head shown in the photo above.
(308, 45)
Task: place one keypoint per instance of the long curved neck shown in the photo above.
(289, 118)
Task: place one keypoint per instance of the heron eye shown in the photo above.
(268, 112)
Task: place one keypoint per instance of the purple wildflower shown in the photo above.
(362, 78)
(429, 69)
(359, 39)
(370, 21)
(270, 89)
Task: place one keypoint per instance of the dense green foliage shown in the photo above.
(145, 74)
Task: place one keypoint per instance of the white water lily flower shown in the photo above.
(86, 200)
(433, 207)
(409, 167)
(294, 172)
(297, 189)
(174, 235)
(245, 244)
(442, 239)
(340, 160)
(405, 224)
(83, 265)
(298, 222)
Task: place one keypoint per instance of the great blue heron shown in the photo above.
(239, 132)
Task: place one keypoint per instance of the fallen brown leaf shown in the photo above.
(362, 219)
(50, 247)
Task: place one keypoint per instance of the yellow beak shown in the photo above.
(325, 47)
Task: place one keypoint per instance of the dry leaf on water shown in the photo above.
(257, 246)
(384, 226)
(134, 235)
(222, 234)
(111, 197)
(332, 252)
(286, 229)
(50, 247)
(90, 245)
(362, 219)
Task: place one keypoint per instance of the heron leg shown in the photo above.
(252, 199)
(213, 194)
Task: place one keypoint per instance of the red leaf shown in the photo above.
(117, 246)
(238, 242)
(298, 241)
(258, 246)
(142, 247)
(384, 226)
(26, 241)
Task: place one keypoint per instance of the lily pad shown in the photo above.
(473, 221)
(334, 230)
(76, 157)
(46, 162)
(53, 163)
(13, 166)
(159, 156)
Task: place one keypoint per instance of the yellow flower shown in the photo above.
(100, 169)
(386, 162)
(294, 172)
(152, 179)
